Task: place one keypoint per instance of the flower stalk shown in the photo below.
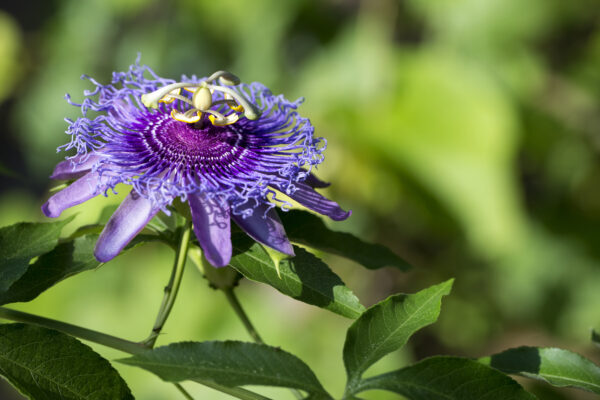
(172, 287)
(237, 307)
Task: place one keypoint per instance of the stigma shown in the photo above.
(213, 96)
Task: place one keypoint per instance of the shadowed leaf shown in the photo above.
(229, 363)
(309, 230)
(448, 378)
(21, 242)
(63, 261)
(557, 367)
(47, 365)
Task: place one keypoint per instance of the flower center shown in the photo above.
(209, 151)
(201, 98)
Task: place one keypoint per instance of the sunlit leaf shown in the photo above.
(386, 327)
(21, 242)
(448, 378)
(309, 230)
(229, 363)
(557, 367)
(47, 365)
(303, 277)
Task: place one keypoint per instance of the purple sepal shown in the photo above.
(211, 221)
(75, 167)
(266, 229)
(76, 193)
(126, 222)
(309, 198)
(314, 182)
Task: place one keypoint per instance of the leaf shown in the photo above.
(386, 327)
(448, 378)
(229, 363)
(304, 277)
(557, 367)
(21, 242)
(309, 230)
(63, 261)
(46, 365)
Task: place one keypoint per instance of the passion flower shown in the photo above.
(227, 148)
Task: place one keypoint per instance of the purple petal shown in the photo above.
(212, 227)
(76, 193)
(266, 229)
(309, 198)
(67, 170)
(314, 182)
(126, 222)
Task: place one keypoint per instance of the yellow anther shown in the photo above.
(232, 103)
(169, 97)
(188, 117)
(250, 111)
(202, 99)
(228, 120)
(237, 108)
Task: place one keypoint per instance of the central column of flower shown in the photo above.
(202, 102)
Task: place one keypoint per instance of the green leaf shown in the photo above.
(309, 230)
(304, 277)
(229, 363)
(65, 260)
(557, 367)
(21, 242)
(388, 325)
(448, 378)
(46, 365)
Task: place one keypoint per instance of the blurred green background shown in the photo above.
(464, 134)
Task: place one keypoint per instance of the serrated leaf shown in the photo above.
(65, 260)
(557, 367)
(448, 378)
(303, 277)
(21, 242)
(388, 325)
(309, 230)
(46, 365)
(229, 363)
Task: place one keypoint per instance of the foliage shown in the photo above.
(462, 135)
(44, 363)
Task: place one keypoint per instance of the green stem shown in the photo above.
(73, 330)
(237, 307)
(183, 391)
(172, 287)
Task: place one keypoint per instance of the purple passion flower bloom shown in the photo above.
(229, 149)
